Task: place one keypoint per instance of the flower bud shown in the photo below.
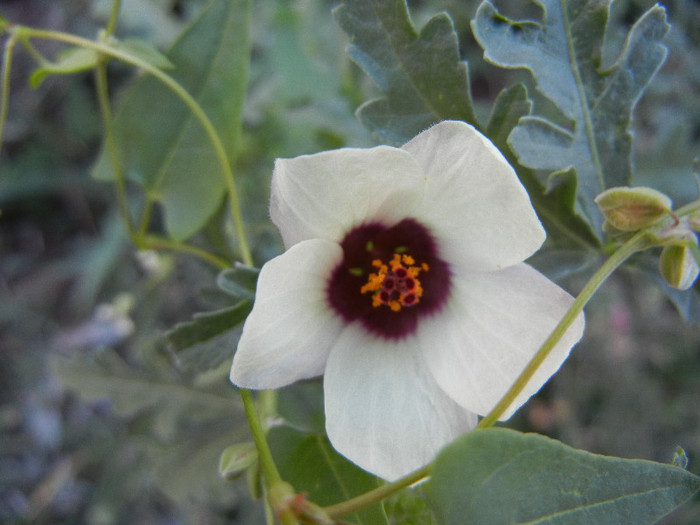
(236, 459)
(631, 209)
(678, 266)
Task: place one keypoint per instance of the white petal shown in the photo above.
(290, 331)
(384, 411)
(326, 194)
(492, 326)
(474, 202)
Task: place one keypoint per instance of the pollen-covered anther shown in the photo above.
(395, 284)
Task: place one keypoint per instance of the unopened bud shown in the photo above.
(631, 209)
(678, 266)
(236, 459)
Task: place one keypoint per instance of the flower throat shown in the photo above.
(388, 278)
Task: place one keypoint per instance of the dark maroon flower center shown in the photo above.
(389, 278)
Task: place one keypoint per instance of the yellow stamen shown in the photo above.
(402, 287)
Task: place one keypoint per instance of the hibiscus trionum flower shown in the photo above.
(403, 285)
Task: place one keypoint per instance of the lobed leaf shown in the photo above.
(499, 476)
(161, 145)
(563, 53)
(210, 338)
(556, 204)
(420, 74)
(131, 390)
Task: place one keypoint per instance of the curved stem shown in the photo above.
(378, 494)
(6, 69)
(267, 464)
(111, 143)
(191, 103)
(272, 477)
(154, 242)
(637, 243)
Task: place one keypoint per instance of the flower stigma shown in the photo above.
(395, 285)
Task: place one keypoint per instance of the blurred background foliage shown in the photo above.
(99, 424)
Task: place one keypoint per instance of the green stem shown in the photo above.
(273, 480)
(6, 68)
(113, 15)
(191, 103)
(267, 464)
(637, 243)
(160, 243)
(111, 143)
(378, 494)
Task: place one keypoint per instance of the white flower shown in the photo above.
(403, 284)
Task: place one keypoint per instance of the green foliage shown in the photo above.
(71, 61)
(564, 55)
(161, 145)
(409, 507)
(420, 74)
(500, 476)
(131, 391)
(239, 282)
(210, 338)
(236, 459)
(79, 59)
(311, 465)
(556, 204)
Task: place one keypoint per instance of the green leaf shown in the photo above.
(143, 50)
(409, 507)
(499, 476)
(161, 145)
(420, 74)
(239, 281)
(555, 205)
(73, 60)
(563, 53)
(131, 390)
(210, 338)
(301, 406)
(311, 465)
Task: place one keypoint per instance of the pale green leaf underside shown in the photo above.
(420, 74)
(161, 145)
(563, 54)
(499, 476)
